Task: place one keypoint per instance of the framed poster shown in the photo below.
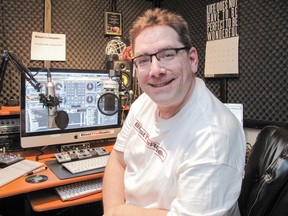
(113, 23)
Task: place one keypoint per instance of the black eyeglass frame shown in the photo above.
(155, 54)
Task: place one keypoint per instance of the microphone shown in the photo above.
(60, 118)
(49, 100)
(50, 92)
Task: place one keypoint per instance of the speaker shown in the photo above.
(125, 67)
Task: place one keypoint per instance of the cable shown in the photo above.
(113, 5)
(41, 153)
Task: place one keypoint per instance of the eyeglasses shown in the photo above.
(143, 62)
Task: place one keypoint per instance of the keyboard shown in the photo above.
(17, 170)
(87, 164)
(79, 189)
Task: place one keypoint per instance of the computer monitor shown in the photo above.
(78, 91)
(237, 110)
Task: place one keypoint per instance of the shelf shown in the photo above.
(47, 199)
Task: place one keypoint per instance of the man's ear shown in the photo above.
(193, 56)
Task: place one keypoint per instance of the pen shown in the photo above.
(37, 170)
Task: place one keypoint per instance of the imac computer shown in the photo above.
(78, 92)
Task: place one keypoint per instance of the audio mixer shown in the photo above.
(9, 139)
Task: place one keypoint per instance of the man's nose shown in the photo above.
(155, 69)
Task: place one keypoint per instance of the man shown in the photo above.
(180, 151)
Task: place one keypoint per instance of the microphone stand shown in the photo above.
(50, 101)
(47, 101)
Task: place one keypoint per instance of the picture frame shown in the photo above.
(113, 24)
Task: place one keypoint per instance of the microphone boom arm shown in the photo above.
(47, 101)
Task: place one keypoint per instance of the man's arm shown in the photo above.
(113, 181)
(130, 210)
(113, 190)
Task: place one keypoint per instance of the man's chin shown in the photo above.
(161, 99)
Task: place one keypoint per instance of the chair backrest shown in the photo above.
(265, 184)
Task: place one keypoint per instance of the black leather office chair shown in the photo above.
(265, 185)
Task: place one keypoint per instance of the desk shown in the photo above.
(41, 195)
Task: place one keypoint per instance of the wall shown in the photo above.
(263, 70)
(262, 83)
(82, 21)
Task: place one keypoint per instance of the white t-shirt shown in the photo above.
(190, 164)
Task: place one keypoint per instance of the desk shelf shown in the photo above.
(47, 199)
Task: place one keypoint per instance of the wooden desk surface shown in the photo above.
(20, 186)
(41, 195)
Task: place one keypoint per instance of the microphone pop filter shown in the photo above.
(62, 119)
(108, 104)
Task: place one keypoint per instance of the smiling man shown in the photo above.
(180, 151)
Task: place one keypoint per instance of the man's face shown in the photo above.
(169, 84)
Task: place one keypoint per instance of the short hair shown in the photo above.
(159, 16)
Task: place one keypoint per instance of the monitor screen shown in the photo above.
(78, 92)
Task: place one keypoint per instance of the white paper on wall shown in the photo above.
(48, 47)
(222, 58)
